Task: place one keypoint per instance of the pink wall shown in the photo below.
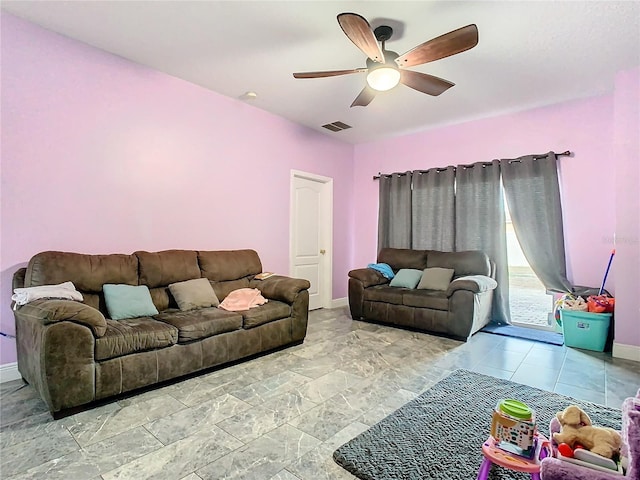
(627, 155)
(586, 127)
(101, 155)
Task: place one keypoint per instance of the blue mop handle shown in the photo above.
(604, 280)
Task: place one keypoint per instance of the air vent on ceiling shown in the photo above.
(336, 126)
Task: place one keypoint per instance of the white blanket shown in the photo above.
(66, 290)
(484, 283)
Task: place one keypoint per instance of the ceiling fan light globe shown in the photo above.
(383, 78)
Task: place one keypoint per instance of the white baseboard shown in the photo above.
(339, 302)
(9, 372)
(628, 352)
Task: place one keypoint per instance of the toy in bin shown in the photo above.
(513, 426)
(579, 441)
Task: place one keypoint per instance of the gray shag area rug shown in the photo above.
(439, 434)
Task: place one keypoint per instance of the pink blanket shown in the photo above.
(243, 299)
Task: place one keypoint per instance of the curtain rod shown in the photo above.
(566, 153)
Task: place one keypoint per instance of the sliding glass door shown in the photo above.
(530, 305)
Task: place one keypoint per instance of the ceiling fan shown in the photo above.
(385, 69)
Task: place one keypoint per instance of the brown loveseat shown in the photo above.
(73, 354)
(459, 311)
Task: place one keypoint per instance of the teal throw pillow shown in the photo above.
(406, 278)
(128, 301)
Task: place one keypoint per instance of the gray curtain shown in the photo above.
(394, 212)
(533, 196)
(480, 224)
(433, 213)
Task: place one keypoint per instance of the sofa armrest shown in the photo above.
(47, 311)
(472, 283)
(278, 287)
(359, 280)
(368, 276)
(57, 359)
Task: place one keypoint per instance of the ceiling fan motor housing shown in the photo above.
(383, 33)
(383, 76)
(389, 60)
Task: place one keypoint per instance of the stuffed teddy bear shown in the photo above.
(577, 429)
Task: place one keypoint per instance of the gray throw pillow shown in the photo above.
(436, 278)
(128, 301)
(192, 294)
(406, 278)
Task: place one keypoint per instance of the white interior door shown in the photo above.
(311, 235)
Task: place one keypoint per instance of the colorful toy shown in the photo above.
(493, 454)
(565, 450)
(513, 426)
(581, 456)
(570, 301)
(514, 442)
(606, 273)
(577, 429)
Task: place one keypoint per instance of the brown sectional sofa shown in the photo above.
(458, 312)
(73, 354)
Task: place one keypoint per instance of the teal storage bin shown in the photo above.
(585, 330)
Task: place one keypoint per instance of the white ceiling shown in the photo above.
(529, 53)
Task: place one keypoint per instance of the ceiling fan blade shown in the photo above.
(424, 83)
(360, 33)
(443, 46)
(331, 73)
(364, 98)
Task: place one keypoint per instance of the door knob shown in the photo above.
(323, 251)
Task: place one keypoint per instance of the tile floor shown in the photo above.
(281, 416)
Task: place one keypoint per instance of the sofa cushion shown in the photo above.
(201, 323)
(159, 269)
(384, 293)
(162, 298)
(406, 278)
(435, 278)
(134, 335)
(434, 299)
(229, 264)
(222, 289)
(403, 258)
(128, 301)
(87, 272)
(270, 311)
(192, 294)
(472, 262)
